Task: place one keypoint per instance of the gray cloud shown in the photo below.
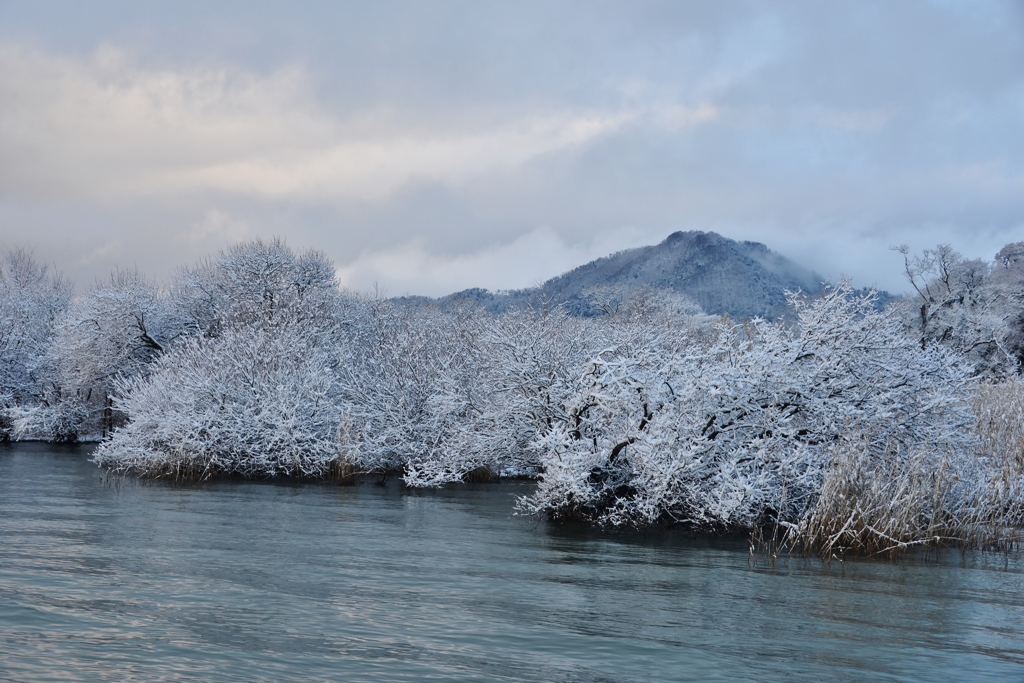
(438, 146)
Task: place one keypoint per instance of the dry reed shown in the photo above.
(884, 504)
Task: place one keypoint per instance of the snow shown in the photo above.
(845, 426)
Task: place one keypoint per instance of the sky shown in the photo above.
(428, 147)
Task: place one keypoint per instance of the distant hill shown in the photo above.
(743, 279)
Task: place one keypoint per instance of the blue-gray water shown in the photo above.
(242, 581)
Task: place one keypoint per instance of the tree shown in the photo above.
(513, 382)
(251, 401)
(33, 298)
(258, 282)
(116, 329)
(120, 327)
(1008, 276)
(523, 377)
(966, 305)
(248, 383)
(739, 428)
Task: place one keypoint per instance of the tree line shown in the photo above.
(838, 428)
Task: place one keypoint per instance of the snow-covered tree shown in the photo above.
(258, 282)
(121, 326)
(1008, 277)
(967, 305)
(115, 329)
(524, 375)
(253, 400)
(251, 382)
(33, 298)
(513, 382)
(392, 360)
(738, 428)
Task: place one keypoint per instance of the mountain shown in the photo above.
(743, 279)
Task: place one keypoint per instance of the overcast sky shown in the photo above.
(433, 146)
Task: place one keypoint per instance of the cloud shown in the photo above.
(529, 260)
(101, 253)
(372, 170)
(104, 129)
(218, 226)
(442, 146)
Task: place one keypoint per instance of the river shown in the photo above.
(245, 581)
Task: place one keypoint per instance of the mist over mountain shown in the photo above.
(742, 279)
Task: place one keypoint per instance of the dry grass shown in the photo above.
(885, 504)
(872, 505)
(343, 472)
(484, 474)
(1000, 432)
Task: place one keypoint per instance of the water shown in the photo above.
(260, 582)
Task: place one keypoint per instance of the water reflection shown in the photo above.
(268, 582)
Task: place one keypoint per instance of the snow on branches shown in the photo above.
(250, 385)
(739, 428)
(837, 429)
(971, 306)
(515, 380)
(254, 401)
(33, 298)
(115, 330)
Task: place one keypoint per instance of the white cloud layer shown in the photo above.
(106, 130)
(527, 261)
(217, 226)
(431, 147)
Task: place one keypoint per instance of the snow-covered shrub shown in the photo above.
(120, 327)
(252, 384)
(255, 400)
(737, 429)
(522, 377)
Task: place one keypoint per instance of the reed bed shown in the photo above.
(1000, 431)
(886, 504)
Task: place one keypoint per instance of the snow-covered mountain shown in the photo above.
(743, 279)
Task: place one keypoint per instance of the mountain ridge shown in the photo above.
(724, 276)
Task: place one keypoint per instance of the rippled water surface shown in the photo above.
(258, 582)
